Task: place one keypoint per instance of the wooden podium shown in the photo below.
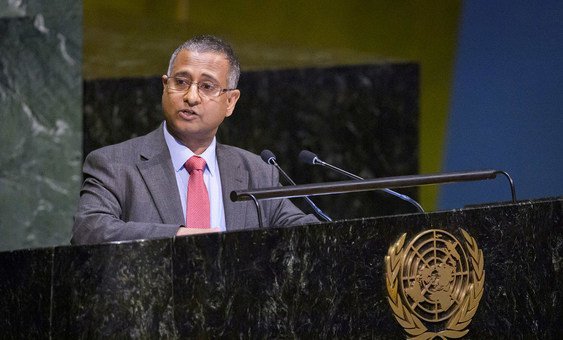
(326, 280)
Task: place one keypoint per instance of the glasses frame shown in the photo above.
(199, 92)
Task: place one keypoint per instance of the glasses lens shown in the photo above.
(208, 88)
(179, 84)
(205, 88)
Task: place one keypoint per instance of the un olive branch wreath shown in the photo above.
(470, 301)
(410, 322)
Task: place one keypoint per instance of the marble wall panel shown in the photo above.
(40, 121)
(363, 118)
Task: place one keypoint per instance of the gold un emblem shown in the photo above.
(433, 287)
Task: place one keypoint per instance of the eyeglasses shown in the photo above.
(204, 88)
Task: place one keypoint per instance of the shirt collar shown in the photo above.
(181, 153)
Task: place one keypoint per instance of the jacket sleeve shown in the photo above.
(99, 216)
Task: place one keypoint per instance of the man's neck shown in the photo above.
(196, 145)
(197, 148)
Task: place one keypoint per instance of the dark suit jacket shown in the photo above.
(130, 192)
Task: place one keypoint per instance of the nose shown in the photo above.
(192, 96)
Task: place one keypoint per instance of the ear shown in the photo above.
(164, 79)
(232, 98)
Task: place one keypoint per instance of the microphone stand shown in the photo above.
(406, 198)
(269, 157)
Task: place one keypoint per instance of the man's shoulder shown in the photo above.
(131, 148)
(234, 150)
(235, 156)
(233, 159)
(239, 154)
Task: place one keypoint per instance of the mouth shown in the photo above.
(187, 114)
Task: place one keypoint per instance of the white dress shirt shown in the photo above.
(180, 154)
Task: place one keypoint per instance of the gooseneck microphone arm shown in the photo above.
(269, 157)
(309, 157)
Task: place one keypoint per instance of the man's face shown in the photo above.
(191, 117)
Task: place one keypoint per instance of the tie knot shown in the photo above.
(194, 163)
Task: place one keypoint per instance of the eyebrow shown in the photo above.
(188, 75)
(182, 74)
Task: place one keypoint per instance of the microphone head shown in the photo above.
(268, 157)
(308, 157)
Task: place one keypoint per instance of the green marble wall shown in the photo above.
(40, 120)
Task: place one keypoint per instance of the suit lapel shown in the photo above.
(156, 169)
(233, 177)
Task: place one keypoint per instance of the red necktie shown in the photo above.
(197, 215)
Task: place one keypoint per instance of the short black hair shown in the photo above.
(210, 43)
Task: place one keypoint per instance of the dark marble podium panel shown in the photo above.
(322, 280)
(111, 290)
(363, 118)
(25, 293)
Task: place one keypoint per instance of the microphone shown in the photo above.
(309, 157)
(269, 157)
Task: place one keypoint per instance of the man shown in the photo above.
(141, 188)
